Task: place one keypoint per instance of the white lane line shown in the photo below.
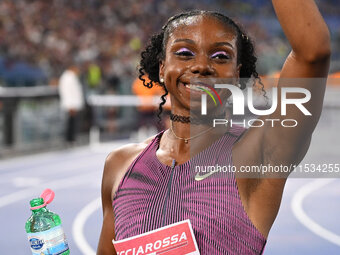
(79, 223)
(107, 147)
(49, 170)
(27, 159)
(54, 185)
(300, 214)
(26, 182)
(47, 167)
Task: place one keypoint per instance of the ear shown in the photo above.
(238, 70)
(161, 69)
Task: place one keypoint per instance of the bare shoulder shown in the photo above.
(118, 162)
(122, 154)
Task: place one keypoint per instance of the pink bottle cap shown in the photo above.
(47, 196)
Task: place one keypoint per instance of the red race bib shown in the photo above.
(174, 239)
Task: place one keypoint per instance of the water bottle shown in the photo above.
(44, 230)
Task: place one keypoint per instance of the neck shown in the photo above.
(187, 130)
(182, 151)
(195, 118)
(186, 124)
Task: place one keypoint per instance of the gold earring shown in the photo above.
(162, 80)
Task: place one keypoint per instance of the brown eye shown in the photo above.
(184, 52)
(220, 55)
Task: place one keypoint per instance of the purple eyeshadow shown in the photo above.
(220, 52)
(184, 50)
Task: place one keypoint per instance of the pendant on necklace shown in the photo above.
(186, 140)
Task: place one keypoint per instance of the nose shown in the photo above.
(202, 66)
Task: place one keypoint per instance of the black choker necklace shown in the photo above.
(192, 120)
(180, 118)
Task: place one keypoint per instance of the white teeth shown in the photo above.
(196, 87)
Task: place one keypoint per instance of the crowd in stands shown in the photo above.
(106, 36)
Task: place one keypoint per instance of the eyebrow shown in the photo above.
(184, 40)
(215, 44)
(223, 44)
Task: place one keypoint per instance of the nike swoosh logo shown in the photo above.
(199, 177)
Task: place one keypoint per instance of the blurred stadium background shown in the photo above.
(40, 38)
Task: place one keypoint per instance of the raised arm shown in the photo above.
(306, 67)
(310, 41)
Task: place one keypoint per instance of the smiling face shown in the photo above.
(198, 47)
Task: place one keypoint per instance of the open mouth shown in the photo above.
(199, 88)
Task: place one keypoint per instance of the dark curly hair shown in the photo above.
(155, 52)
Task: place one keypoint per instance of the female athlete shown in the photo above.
(149, 185)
